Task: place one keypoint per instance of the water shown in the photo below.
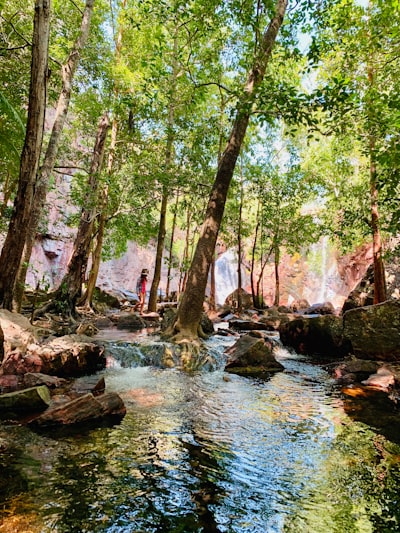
(208, 452)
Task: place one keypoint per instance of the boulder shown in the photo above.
(324, 308)
(25, 400)
(33, 379)
(18, 332)
(320, 335)
(249, 325)
(82, 409)
(86, 384)
(130, 321)
(251, 355)
(67, 356)
(373, 332)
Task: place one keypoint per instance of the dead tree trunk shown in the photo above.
(13, 247)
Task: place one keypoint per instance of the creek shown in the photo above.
(207, 452)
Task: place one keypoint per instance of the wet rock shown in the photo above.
(249, 325)
(374, 331)
(130, 321)
(321, 335)
(33, 379)
(9, 382)
(67, 356)
(25, 400)
(252, 355)
(87, 384)
(82, 409)
(384, 379)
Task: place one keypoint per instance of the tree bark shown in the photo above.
(276, 267)
(171, 245)
(191, 307)
(20, 220)
(70, 288)
(67, 71)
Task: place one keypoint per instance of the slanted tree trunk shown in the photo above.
(67, 72)
(187, 322)
(67, 294)
(13, 247)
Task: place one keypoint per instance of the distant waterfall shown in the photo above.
(226, 278)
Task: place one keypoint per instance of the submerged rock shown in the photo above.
(252, 355)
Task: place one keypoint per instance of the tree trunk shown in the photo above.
(171, 245)
(239, 240)
(67, 72)
(20, 220)
(71, 285)
(379, 269)
(152, 305)
(276, 267)
(253, 259)
(191, 307)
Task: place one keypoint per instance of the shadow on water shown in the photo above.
(208, 453)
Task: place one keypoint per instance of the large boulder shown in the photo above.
(374, 331)
(320, 335)
(67, 356)
(252, 355)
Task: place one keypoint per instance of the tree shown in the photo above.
(67, 74)
(14, 244)
(66, 296)
(187, 323)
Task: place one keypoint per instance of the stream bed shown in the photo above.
(208, 452)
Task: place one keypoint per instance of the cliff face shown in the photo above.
(318, 276)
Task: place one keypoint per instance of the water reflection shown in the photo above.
(210, 453)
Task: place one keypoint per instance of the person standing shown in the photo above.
(141, 289)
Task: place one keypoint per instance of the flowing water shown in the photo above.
(207, 452)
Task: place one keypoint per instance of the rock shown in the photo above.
(26, 400)
(325, 308)
(130, 321)
(321, 335)
(249, 325)
(9, 383)
(33, 379)
(18, 332)
(67, 356)
(86, 384)
(251, 355)
(103, 323)
(82, 409)
(384, 379)
(374, 331)
(106, 297)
